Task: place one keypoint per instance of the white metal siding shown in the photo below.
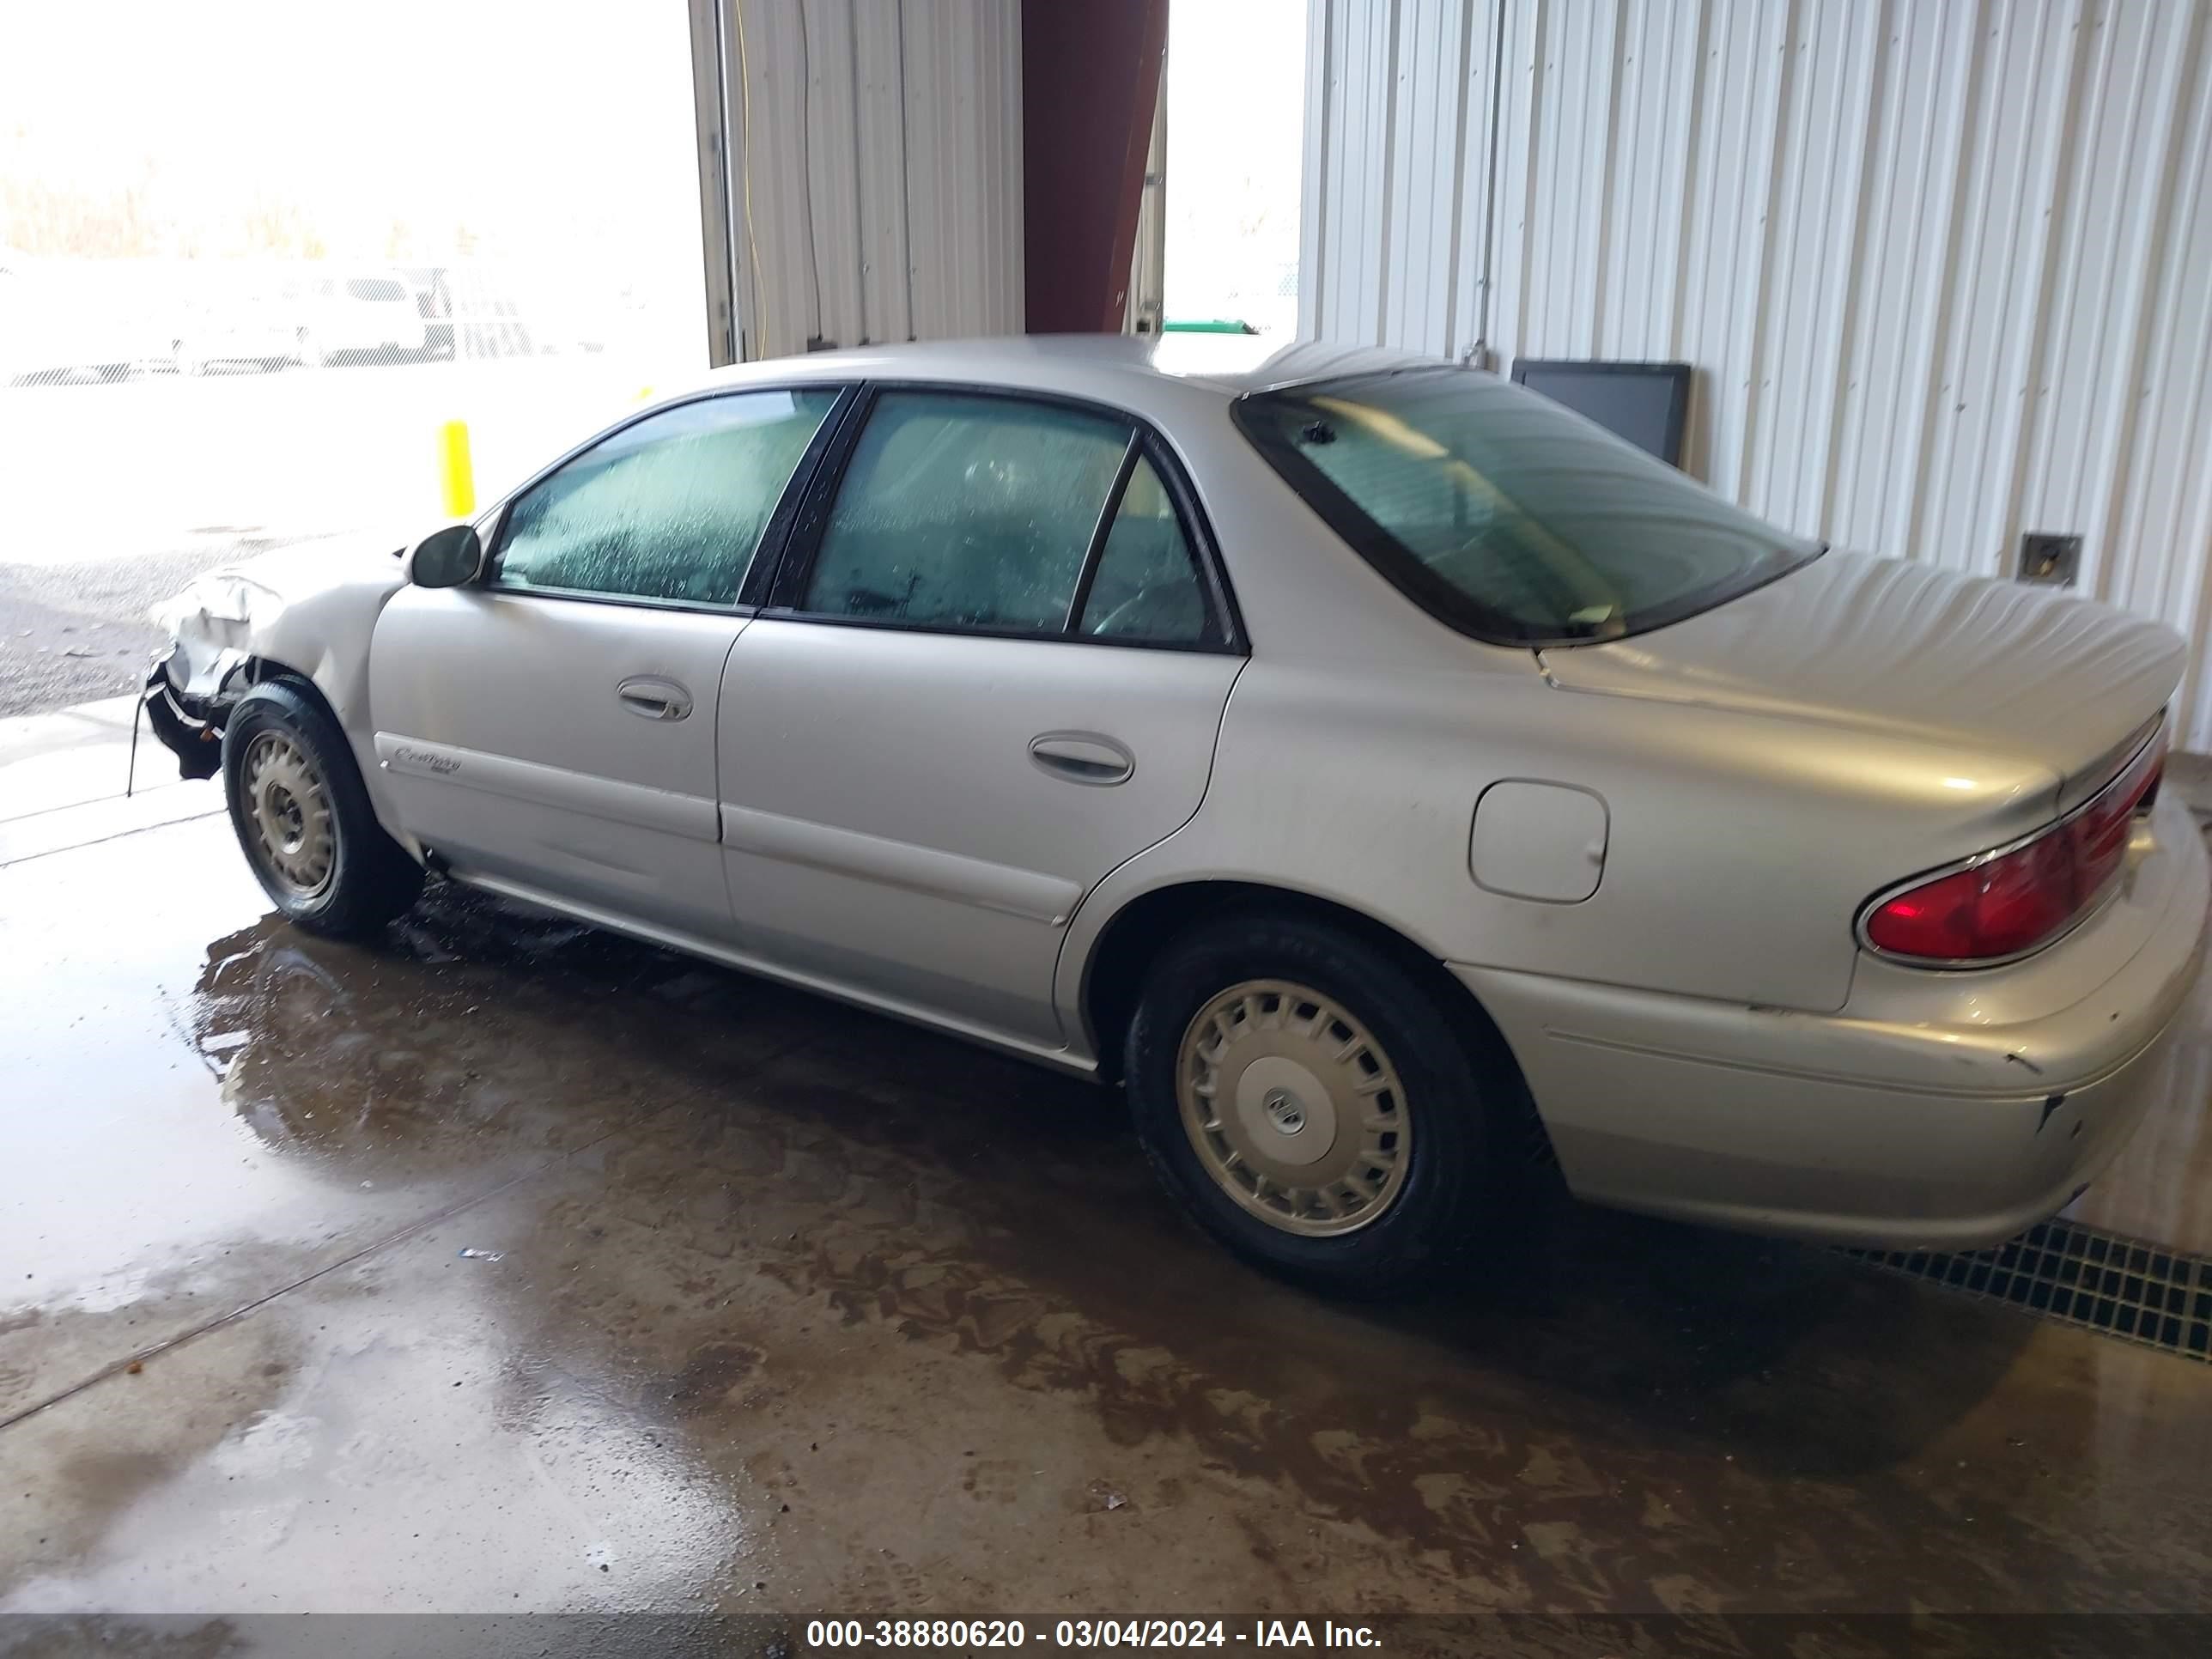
(1944, 266)
(884, 175)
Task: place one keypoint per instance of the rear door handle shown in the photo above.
(1083, 758)
(653, 699)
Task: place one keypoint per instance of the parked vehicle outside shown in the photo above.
(230, 320)
(229, 314)
(1397, 783)
(362, 313)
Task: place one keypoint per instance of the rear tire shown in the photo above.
(303, 817)
(1269, 1051)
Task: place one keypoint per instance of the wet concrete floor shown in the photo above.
(789, 1307)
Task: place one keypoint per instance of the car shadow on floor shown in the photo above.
(965, 1197)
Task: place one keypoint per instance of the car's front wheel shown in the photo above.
(304, 819)
(1313, 1105)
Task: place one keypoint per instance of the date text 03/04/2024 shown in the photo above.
(825, 1634)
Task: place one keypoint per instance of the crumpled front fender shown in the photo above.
(211, 625)
(310, 609)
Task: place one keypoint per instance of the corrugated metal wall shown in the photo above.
(1944, 267)
(876, 169)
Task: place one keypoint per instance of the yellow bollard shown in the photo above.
(455, 473)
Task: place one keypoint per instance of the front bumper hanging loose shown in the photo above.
(197, 743)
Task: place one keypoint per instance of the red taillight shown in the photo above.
(2007, 904)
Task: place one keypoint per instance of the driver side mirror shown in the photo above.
(447, 558)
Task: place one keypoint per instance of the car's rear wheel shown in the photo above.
(303, 817)
(1313, 1105)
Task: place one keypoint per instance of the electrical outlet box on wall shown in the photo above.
(2049, 560)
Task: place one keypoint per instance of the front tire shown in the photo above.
(1312, 1106)
(304, 821)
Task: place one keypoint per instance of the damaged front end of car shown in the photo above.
(305, 614)
(208, 666)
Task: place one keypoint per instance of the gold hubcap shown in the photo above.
(1293, 1107)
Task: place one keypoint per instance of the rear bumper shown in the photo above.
(1948, 1125)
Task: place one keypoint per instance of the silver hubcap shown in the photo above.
(1293, 1107)
(291, 813)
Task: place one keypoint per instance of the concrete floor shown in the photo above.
(793, 1310)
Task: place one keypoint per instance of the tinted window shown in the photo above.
(1147, 585)
(1507, 515)
(966, 512)
(670, 509)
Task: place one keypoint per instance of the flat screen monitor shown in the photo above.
(1643, 403)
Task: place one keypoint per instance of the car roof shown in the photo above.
(1102, 365)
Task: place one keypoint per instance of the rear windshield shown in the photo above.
(1504, 514)
(381, 288)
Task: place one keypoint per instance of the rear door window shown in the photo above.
(1147, 585)
(967, 512)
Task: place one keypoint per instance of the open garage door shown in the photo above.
(256, 253)
(859, 171)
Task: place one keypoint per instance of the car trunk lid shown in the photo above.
(1909, 650)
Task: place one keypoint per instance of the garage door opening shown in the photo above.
(257, 253)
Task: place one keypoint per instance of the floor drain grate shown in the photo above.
(2080, 1276)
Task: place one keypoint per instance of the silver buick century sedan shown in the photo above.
(1399, 785)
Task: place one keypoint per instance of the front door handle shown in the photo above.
(1083, 758)
(653, 699)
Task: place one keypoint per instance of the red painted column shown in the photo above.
(1090, 74)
